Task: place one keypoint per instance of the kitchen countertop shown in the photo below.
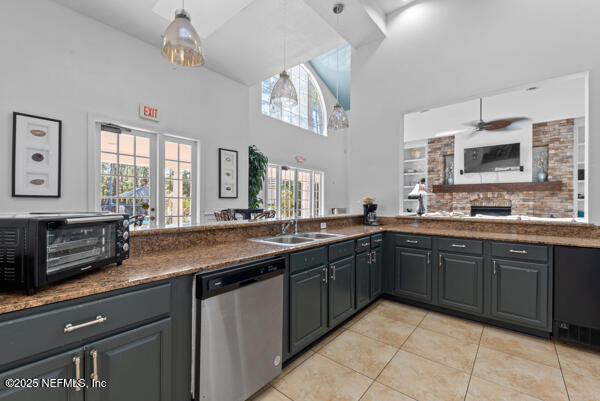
(163, 265)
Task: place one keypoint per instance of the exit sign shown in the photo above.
(149, 112)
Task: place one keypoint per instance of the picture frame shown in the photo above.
(36, 156)
(228, 173)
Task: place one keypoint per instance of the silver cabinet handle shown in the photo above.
(374, 256)
(410, 241)
(428, 258)
(364, 244)
(325, 279)
(441, 262)
(370, 258)
(77, 362)
(459, 246)
(515, 251)
(70, 327)
(333, 272)
(94, 355)
(494, 263)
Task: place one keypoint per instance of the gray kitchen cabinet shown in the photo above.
(307, 307)
(363, 279)
(60, 367)
(376, 268)
(460, 282)
(412, 271)
(520, 293)
(136, 365)
(342, 275)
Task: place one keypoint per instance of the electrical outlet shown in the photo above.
(323, 226)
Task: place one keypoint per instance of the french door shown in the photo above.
(148, 175)
(128, 176)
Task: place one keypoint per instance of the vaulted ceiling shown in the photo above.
(243, 39)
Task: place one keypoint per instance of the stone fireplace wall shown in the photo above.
(558, 136)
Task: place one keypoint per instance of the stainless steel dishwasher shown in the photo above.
(239, 324)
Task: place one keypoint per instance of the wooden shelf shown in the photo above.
(548, 186)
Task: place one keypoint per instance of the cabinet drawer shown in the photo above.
(413, 241)
(306, 259)
(474, 247)
(363, 244)
(341, 250)
(376, 240)
(520, 251)
(41, 332)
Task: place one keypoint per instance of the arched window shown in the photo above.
(310, 111)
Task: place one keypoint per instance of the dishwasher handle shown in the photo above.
(230, 278)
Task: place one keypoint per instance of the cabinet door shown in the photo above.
(461, 282)
(363, 284)
(308, 307)
(413, 273)
(341, 290)
(136, 365)
(376, 273)
(61, 366)
(520, 292)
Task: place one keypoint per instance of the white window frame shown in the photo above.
(278, 168)
(161, 169)
(321, 98)
(93, 167)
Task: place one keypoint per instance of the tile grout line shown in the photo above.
(392, 358)
(474, 361)
(561, 371)
(282, 393)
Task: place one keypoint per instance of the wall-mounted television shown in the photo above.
(493, 158)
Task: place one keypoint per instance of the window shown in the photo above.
(129, 182)
(178, 182)
(308, 114)
(294, 192)
(126, 172)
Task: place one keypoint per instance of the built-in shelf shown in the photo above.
(547, 186)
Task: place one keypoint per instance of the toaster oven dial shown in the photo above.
(125, 223)
(125, 247)
(125, 235)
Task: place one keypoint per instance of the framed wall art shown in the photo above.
(36, 156)
(228, 173)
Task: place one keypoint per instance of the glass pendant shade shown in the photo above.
(181, 43)
(284, 93)
(338, 120)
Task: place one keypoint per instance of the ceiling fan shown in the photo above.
(495, 125)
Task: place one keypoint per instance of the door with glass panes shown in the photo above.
(128, 173)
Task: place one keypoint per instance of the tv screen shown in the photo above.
(493, 158)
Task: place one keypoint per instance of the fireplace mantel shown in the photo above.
(547, 186)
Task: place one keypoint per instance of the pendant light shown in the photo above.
(338, 120)
(284, 93)
(181, 43)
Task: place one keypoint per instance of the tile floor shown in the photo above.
(395, 352)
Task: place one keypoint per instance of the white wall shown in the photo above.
(62, 65)
(282, 142)
(439, 52)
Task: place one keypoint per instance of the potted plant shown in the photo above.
(257, 169)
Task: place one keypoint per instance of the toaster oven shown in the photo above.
(40, 248)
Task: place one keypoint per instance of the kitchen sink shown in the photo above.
(296, 239)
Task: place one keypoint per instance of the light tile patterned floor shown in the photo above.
(396, 352)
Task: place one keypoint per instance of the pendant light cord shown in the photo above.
(284, 32)
(337, 66)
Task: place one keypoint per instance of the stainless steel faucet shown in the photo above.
(285, 226)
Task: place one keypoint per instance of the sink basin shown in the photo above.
(284, 240)
(319, 235)
(296, 239)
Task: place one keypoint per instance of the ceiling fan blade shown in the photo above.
(505, 123)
